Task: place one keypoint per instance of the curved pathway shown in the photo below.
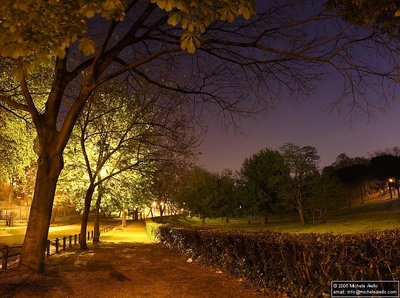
(126, 264)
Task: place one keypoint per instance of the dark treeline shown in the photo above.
(289, 181)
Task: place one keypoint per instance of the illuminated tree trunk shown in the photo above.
(34, 246)
(123, 215)
(96, 228)
(162, 209)
(85, 216)
(53, 215)
(136, 214)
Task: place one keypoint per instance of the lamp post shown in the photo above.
(390, 187)
(393, 182)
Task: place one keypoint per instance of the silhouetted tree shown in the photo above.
(356, 177)
(264, 177)
(328, 193)
(302, 164)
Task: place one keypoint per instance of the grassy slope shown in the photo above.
(373, 216)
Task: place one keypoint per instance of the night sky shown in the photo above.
(305, 122)
(308, 121)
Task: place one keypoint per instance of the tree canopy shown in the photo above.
(16, 147)
(207, 194)
(302, 163)
(264, 176)
(45, 29)
(382, 16)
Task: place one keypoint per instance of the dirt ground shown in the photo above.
(126, 264)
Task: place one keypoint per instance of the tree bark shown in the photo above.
(85, 216)
(34, 246)
(53, 215)
(123, 221)
(96, 227)
(302, 214)
(162, 209)
(300, 207)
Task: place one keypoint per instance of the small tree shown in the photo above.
(264, 177)
(302, 165)
(356, 174)
(204, 193)
(165, 182)
(150, 128)
(126, 192)
(228, 202)
(327, 193)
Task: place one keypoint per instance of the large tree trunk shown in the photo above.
(33, 249)
(85, 216)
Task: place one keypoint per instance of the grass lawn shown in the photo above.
(372, 216)
(16, 233)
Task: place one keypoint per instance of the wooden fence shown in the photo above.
(59, 244)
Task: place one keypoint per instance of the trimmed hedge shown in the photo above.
(153, 229)
(300, 264)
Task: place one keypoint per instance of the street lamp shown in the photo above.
(390, 187)
(393, 182)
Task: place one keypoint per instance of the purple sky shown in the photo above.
(309, 122)
(303, 123)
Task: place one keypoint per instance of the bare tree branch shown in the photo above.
(27, 95)
(15, 105)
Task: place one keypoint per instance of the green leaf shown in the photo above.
(87, 46)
